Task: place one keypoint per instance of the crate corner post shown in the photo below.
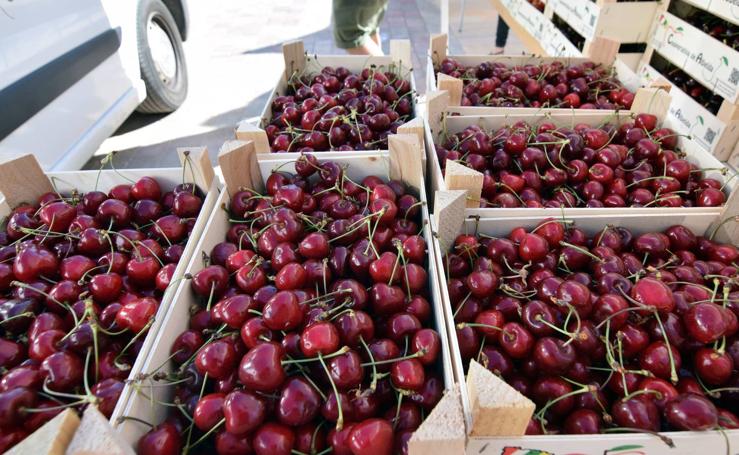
(453, 86)
(436, 104)
(52, 438)
(443, 431)
(247, 131)
(400, 52)
(438, 47)
(496, 408)
(96, 435)
(239, 166)
(601, 50)
(294, 54)
(652, 100)
(23, 180)
(196, 160)
(449, 208)
(406, 159)
(459, 177)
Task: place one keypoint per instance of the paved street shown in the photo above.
(234, 56)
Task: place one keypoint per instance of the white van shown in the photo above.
(71, 71)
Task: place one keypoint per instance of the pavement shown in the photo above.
(234, 58)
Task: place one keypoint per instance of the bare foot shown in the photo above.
(498, 51)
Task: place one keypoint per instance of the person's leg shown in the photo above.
(376, 37)
(368, 47)
(356, 25)
(501, 36)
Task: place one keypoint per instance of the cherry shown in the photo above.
(516, 340)
(62, 370)
(261, 367)
(137, 315)
(583, 421)
(713, 367)
(243, 412)
(654, 293)
(704, 322)
(230, 444)
(299, 402)
(553, 356)
(319, 338)
(273, 439)
(691, 413)
(638, 412)
(217, 359)
(371, 437)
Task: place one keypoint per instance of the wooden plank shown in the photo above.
(293, 53)
(449, 212)
(436, 103)
(23, 180)
(196, 164)
(247, 131)
(443, 430)
(438, 47)
(528, 40)
(459, 177)
(52, 438)
(653, 100)
(452, 85)
(238, 161)
(415, 127)
(406, 159)
(95, 436)
(497, 408)
(601, 50)
(400, 51)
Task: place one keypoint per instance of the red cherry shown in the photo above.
(261, 368)
(243, 412)
(371, 437)
(273, 439)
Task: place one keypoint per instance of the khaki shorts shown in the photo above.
(356, 20)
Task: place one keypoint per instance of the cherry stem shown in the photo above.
(673, 372)
(373, 383)
(581, 250)
(340, 419)
(337, 353)
(663, 438)
(416, 354)
(27, 314)
(205, 436)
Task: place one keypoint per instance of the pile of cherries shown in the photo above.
(553, 85)
(604, 332)
(340, 111)
(634, 164)
(688, 84)
(81, 278)
(313, 330)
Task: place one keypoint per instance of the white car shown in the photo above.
(72, 71)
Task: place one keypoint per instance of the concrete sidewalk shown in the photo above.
(234, 57)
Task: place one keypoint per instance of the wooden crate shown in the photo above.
(717, 134)
(623, 22)
(653, 101)
(451, 219)
(297, 61)
(706, 59)
(604, 51)
(22, 180)
(399, 164)
(725, 9)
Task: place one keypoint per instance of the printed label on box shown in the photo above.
(709, 61)
(582, 15)
(686, 116)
